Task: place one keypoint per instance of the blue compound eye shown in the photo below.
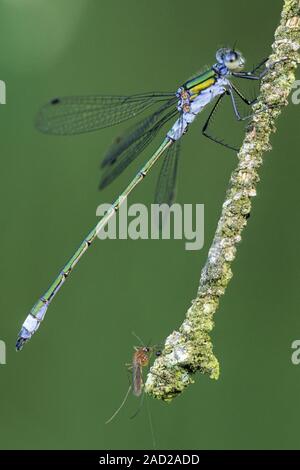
(221, 54)
(231, 56)
(234, 60)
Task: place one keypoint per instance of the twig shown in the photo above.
(190, 349)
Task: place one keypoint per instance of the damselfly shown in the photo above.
(140, 359)
(74, 115)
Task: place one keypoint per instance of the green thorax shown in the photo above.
(201, 82)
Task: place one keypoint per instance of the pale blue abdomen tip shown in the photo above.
(23, 336)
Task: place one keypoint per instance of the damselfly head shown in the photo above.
(232, 59)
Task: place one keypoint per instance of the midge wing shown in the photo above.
(137, 380)
(128, 146)
(78, 114)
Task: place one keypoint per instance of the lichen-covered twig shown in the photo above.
(190, 349)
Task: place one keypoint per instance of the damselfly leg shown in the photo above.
(252, 76)
(206, 128)
(230, 92)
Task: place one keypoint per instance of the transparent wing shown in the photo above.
(137, 380)
(79, 114)
(132, 134)
(133, 142)
(166, 183)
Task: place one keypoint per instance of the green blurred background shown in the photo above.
(60, 390)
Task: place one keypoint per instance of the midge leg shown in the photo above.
(128, 368)
(139, 407)
(120, 407)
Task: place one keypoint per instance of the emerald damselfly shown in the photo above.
(74, 115)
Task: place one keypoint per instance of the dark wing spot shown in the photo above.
(55, 101)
